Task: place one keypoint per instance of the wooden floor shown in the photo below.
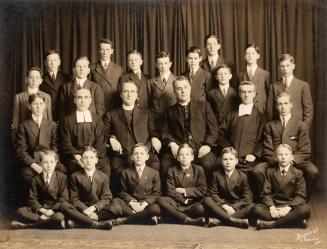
(175, 236)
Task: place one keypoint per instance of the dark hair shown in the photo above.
(80, 88)
(223, 66)
(90, 148)
(34, 69)
(51, 51)
(284, 94)
(83, 57)
(285, 57)
(134, 51)
(210, 36)
(247, 83)
(194, 50)
(252, 45)
(106, 41)
(229, 150)
(185, 146)
(47, 152)
(140, 145)
(181, 78)
(128, 82)
(33, 97)
(162, 54)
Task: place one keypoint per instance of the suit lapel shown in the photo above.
(34, 128)
(169, 83)
(99, 69)
(49, 82)
(86, 181)
(43, 130)
(159, 84)
(290, 125)
(122, 117)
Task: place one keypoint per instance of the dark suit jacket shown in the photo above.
(116, 125)
(31, 139)
(146, 188)
(84, 194)
(108, 80)
(52, 88)
(203, 124)
(206, 65)
(243, 133)
(194, 182)
(21, 111)
(66, 103)
(234, 191)
(261, 80)
(222, 105)
(142, 85)
(289, 190)
(161, 96)
(74, 138)
(49, 196)
(301, 99)
(295, 134)
(200, 84)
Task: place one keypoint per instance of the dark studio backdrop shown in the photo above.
(30, 28)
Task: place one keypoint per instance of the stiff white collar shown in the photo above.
(245, 109)
(84, 117)
(128, 107)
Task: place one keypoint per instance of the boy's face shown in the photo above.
(284, 156)
(247, 94)
(182, 90)
(185, 157)
(139, 156)
(89, 160)
(224, 76)
(286, 68)
(34, 79)
(48, 163)
(193, 60)
(284, 106)
(212, 46)
(251, 56)
(164, 64)
(81, 69)
(53, 62)
(83, 100)
(105, 51)
(129, 94)
(134, 62)
(37, 107)
(229, 161)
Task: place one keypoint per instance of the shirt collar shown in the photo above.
(140, 168)
(287, 118)
(253, 67)
(284, 168)
(288, 80)
(32, 90)
(223, 87)
(128, 107)
(54, 72)
(103, 62)
(89, 173)
(184, 104)
(214, 58)
(229, 173)
(166, 76)
(84, 117)
(195, 69)
(245, 109)
(46, 174)
(37, 119)
(186, 168)
(81, 82)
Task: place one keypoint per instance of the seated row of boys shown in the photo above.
(188, 121)
(228, 200)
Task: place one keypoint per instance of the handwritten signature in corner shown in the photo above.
(310, 236)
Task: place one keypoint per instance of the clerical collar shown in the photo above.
(81, 82)
(128, 107)
(284, 168)
(84, 117)
(89, 173)
(31, 91)
(185, 103)
(245, 109)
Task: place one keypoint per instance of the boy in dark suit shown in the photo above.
(89, 194)
(140, 187)
(258, 76)
(34, 135)
(47, 193)
(21, 112)
(201, 80)
(80, 129)
(134, 74)
(189, 121)
(283, 195)
(213, 60)
(229, 196)
(66, 93)
(223, 98)
(126, 126)
(298, 89)
(53, 78)
(186, 186)
(160, 89)
(287, 129)
(106, 73)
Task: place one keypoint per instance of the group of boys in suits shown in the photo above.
(200, 108)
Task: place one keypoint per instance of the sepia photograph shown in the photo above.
(187, 124)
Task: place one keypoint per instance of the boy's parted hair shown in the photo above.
(193, 50)
(106, 41)
(51, 51)
(247, 83)
(210, 36)
(82, 57)
(90, 148)
(34, 69)
(284, 94)
(163, 54)
(33, 97)
(284, 146)
(180, 78)
(48, 153)
(134, 51)
(80, 88)
(223, 66)
(140, 145)
(230, 150)
(252, 45)
(285, 57)
(185, 146)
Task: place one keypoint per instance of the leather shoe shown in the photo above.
(195, 222)
(155, 220)
(17, 225)
(303, 224)
(118, 221)
(213, 222)
(104, 225)
(71, 224)
(237, 222)
(263, 224)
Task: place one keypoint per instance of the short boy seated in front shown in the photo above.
(47, 193)
(229, 199)
(283, 195)
(186, 186)
(140, 187)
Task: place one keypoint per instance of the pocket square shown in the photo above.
(292, 138)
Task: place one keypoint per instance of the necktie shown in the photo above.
(138, 74)
(164, 81)
(285, 83)
(283, 172)
(105, 65)
(53, 77)
(212, 63)
(283, 123)
(192, 75)
(224, 92)
(90, 178)
(139, 172)
(250, 73)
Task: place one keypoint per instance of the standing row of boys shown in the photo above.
(175, 123)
